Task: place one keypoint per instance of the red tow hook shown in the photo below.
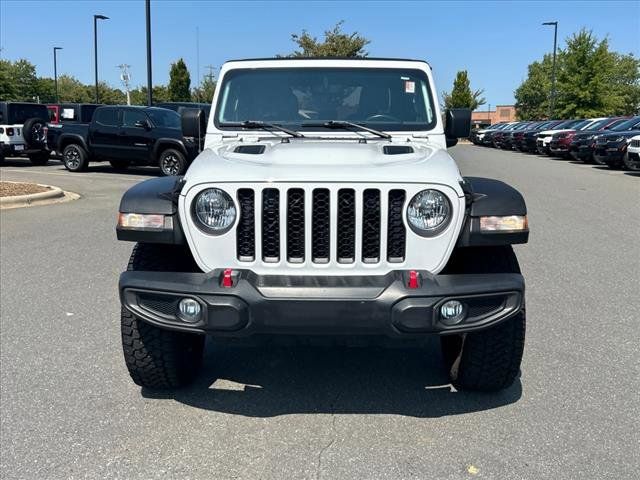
(413, 279)
(227, 280)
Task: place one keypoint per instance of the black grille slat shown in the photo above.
(246, 234)
(161, 304)
(396, 232)
(320, 227)
(270, 225)
(295, 225)
(371, 226)
(346, 241)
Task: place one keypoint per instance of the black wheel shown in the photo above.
(631, 163)
(34, 133)
(120, 164)
(487, 360)
(598, 159)
(156, 358)
(75, 158)
(172, 162)
(40, 158)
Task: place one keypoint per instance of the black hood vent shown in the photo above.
(397, 149)
(250, 149)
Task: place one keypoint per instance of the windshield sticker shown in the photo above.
(409, 87)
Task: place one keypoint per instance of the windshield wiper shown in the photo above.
(258, 124)
(345, 125)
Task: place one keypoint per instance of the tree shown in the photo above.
(18, 81)
(204, 93)
(139, 95)
(461, 95)
(336, 44)
(179, 82)
(533, 94)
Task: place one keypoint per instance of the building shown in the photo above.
(502, 113)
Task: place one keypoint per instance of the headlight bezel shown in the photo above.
(432, 232)
(203, 227)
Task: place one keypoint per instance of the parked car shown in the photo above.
(125, 135)
(543, 140)
(71, 112)
(487, 139)
(283, 226)
(582, 142)
(478, 134)
(611, 148)
(518, 138)
(633, 154)
(180, 106)
(23, 131)
(507, 140)
(560, 141)
(530, 136)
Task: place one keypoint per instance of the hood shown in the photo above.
(625, 134)
(544, 133)
(314, 160)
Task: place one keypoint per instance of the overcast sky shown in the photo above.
(494, 41)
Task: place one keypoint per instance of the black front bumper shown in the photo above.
(320, 305)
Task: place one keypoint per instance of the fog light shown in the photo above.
(189, 310)
(452, 312)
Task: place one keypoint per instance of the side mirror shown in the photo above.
(457, 125)
(142, 124)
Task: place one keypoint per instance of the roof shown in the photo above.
(329, 58)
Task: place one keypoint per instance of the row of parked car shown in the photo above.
(612, 141)
(167, 135)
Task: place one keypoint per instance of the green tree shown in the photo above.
(336, 44)
(8, 87)
(204, 93)
(71, 89)
(461, 95)
(18, 81)
(139, 95)
(532, 96)
(179, 82)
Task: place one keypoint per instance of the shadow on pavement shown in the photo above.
(271, 381)
(632, 174)
(56, 165)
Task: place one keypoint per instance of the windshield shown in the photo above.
(628, 125)
(381, 98)
(19, 113)
(165, 118)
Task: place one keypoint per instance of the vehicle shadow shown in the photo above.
(267, 381)
(56, 165)
(632, 174)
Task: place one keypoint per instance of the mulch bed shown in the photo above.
(10, 189)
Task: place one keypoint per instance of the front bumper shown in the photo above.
(317, 305)
(610, 154)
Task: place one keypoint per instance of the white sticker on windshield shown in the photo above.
(409, 87)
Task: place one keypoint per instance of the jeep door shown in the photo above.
(104, 133)
(136, 135)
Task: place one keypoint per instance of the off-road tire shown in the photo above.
(172, 162)
(33, 132)
(487, 360)
(160, 359)
(121, 165)
(40, 158)
(75, 158)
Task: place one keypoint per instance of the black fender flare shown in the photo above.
(68, 138)
(489, 197)
(163, 143)
(154, 196)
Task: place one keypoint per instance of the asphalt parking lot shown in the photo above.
(69, 409)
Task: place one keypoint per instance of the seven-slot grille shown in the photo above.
(345, 225)
(635, 143)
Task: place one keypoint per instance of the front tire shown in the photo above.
(172, 162)
(159, 359)
(488, 360)
(75, 158)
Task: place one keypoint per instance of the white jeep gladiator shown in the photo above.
(325, 203)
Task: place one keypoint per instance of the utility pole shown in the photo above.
(553, 71)
(95, 48)
(147, 5)
(126, 78)
(55, 71)
(210, 75)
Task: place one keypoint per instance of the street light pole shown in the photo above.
(55, 71)
(95, 48)
(553, 71)
(149, 80)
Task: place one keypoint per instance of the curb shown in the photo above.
(55, 194)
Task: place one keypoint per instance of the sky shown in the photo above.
(493, 40)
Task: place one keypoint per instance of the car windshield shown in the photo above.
(19, 113)
(381, 98)
(162, 117)
(598, 124)
(628, 125)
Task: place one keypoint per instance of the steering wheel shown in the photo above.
(382, 116)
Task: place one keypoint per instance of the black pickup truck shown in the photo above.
(124, 135)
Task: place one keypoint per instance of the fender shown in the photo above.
(487, 197)
(66, 138)
(154, 196)
(163, 142)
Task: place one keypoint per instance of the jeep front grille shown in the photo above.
(340, 225)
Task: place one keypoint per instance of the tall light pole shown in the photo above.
(147, 8)
(553, 71)
(95, 48)
(55, 71)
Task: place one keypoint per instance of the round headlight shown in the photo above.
(214, 211)
(429, 212)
